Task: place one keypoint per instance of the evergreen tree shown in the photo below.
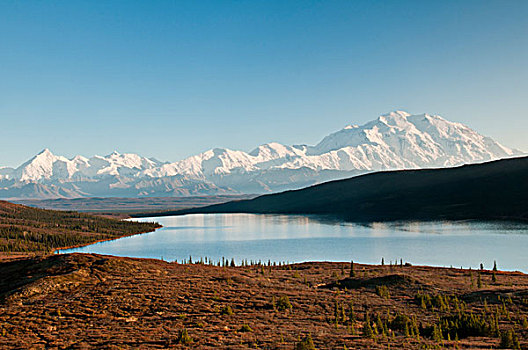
(437, 333)
(336, 313)
(226, 310)
(184, 338)
(351, 314)
(506, 340)
(367, 328)
(524, 323)
(380, 326)
(406, 330)
(306, 343)
(284, 303)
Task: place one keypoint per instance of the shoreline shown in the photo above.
(60, 250)
(55, 251)
(414, 260)
(325, 217)
(8, 256)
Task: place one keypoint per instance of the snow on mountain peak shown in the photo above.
(274, 150)
(394, 114)
(412, 141)
(45, 152)
(40, 166)
(394, 140)
(395, 118)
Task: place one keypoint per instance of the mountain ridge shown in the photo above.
(495, 190)
(396, 140)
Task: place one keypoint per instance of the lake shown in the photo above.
(299, 238)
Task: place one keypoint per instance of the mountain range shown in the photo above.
(495, 190)
(397, 140)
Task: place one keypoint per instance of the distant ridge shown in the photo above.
(396, 140)
(495, 190)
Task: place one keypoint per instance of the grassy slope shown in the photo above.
(83, 301)
(25, 229)
(496, 190)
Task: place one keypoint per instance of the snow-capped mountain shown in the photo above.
(46, 166)
(396, 140)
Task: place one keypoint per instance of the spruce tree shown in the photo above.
(367, 328)
(506, 340)
(351, 314)
(184, 338)
(437, 333)
(306, 343)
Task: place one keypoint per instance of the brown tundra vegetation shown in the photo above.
(81, 301)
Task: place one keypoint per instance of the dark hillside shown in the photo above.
(25, 229)
(496, 190)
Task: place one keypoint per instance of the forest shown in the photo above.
(30, 230)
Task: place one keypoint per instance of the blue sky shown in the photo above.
(170, 79)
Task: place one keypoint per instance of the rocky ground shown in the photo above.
(81, 301)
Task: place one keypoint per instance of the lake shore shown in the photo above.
(309, 238)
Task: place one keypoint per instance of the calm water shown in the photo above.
(299, 238)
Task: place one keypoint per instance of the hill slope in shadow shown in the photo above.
(495, 190)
